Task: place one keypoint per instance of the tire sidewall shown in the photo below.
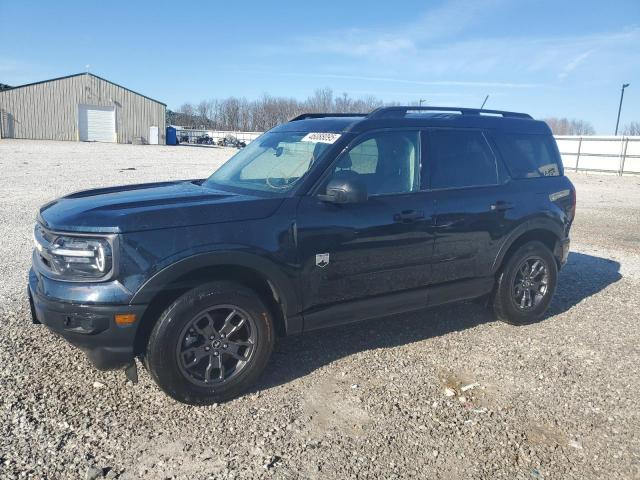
(161, 356)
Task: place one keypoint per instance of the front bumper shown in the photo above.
(563, 251)
(91, 328)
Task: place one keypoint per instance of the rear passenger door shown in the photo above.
(472, 206)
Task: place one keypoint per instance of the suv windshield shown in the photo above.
(273, 162)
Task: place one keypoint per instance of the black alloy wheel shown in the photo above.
(530, 283)
(216, 344)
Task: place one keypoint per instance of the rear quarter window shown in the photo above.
(529, 155)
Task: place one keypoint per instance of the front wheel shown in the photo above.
(211, 344)
(526, 285)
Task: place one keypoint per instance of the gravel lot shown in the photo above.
(558, 399)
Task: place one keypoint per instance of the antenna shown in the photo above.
(485, 101)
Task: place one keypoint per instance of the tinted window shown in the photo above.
(459, 158)
(386, 162)
(529, 156)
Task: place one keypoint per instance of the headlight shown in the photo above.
(71, 257)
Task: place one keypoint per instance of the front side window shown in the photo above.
(529, 155)
(386, 162)
(458, 159)
(274, 162)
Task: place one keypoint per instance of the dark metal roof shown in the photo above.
(306, 116)
(407, 116)
(395, 112)
(85, 73)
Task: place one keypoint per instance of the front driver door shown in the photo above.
(384, 245)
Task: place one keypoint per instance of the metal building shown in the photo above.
(81, 107)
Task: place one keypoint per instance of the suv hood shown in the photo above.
(151, 206)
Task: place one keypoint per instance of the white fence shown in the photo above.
(242, 136)
(600, 154)
(216, 134)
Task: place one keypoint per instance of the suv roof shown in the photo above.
(407, 116)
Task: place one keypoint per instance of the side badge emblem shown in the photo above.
(322, 260)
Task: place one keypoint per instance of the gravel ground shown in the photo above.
(383, 399)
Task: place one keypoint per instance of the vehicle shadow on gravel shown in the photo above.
(295, 357)
(583, 276)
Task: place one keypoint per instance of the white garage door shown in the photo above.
(97, 124)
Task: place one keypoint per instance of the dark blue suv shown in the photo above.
(325, 220)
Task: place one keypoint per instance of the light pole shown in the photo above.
(624, 85)
(420, 101)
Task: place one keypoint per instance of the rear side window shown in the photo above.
(459, 158)
(529, 156)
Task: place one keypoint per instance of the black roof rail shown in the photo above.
(305, 116)
(386, 112)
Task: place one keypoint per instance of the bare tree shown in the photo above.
(212, 112)
(631, 128)
(203, 112)
(187, 109)
(236, 113)
(321, 101)
(581, 127)
(564, 126)
(184, 116)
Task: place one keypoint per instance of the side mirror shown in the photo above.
(341, 190)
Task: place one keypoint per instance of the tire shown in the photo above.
(181, 348)
(511, 303)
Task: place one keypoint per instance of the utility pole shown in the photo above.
(624, 85)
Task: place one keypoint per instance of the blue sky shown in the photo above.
(545, 57)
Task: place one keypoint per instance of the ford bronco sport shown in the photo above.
(325, 220)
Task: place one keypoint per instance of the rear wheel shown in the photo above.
(211, 343)
(526, 284)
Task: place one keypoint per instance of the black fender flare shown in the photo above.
(283, 286)
(539, 223)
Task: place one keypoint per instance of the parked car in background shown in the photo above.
(231, 141)
(325, 220)
(205, 140)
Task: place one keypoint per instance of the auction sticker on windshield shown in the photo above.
(321, 137)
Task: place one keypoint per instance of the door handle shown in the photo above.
(501, 206)
(407, 216)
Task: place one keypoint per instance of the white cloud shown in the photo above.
(430, 48)
(573, 64)
(437, 83)
(358, 43)
(443, 22)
